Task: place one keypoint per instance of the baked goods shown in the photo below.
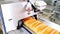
(48, 31)
(29, 22)
(34, 25)
(39, 27)
(54, 32)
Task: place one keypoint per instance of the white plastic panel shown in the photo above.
(12, 13)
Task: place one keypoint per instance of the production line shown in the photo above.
(23, 15)
(38, 27)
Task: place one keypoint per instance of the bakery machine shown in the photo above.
(12, 13)
(17, 15)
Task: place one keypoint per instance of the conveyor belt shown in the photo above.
(38, 27)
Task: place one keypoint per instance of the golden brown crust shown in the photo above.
(39, 27)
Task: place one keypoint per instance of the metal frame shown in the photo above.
(3, 24)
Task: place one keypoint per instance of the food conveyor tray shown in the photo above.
(27, 29)
(51, 24)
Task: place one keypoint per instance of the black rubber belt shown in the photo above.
(26, 29)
